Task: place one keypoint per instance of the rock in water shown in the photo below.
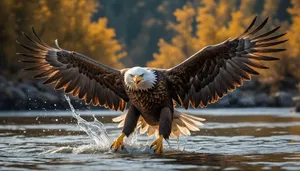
(264, 100)
(297, 108)
(284, 99)
(246, 101)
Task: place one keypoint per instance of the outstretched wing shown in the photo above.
(209, 74)
(76, 74)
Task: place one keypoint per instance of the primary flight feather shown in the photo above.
(152, 93)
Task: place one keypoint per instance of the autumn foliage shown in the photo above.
(66, 20)
(139, 24)
(213, 22)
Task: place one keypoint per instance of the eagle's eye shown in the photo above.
(141, 75)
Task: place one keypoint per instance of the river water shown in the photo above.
(231, 139)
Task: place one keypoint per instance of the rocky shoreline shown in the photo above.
(32, 95)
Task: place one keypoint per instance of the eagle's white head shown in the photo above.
(138, 78)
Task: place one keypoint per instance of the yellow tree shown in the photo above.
(240, 19)
(294, 31)
(100, 37)
(182, 45)
(270, 8)
(218, 21)
(7, 34)
(235, 27)
(294, 39)
(80, 33)
(210, 29)
(14, 15)
(68, 21)
(277, 69)
(247, 7)
(207, 24)
(223, 11)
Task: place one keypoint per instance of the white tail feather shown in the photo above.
(119, 118)
(182, 124)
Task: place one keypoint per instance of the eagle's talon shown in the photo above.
(158, 145)
(118, 143)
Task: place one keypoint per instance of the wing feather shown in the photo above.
(215, 70)
(266, 34)
(75, 73)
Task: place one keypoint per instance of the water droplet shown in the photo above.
(94, 129)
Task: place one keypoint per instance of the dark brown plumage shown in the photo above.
(149, 103)
(203, 78)
(209, 74)
(76, 74)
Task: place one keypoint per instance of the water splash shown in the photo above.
(95, 129)
(101, 141)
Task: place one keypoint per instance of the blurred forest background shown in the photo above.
(158, 33)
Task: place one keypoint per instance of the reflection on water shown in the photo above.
(256, 139)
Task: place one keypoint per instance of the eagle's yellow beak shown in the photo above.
(137, 79)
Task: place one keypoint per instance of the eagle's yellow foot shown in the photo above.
(158, 145)
(118, 142)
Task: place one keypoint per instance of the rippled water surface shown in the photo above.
(231, 139)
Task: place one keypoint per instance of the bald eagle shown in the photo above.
(152, 93)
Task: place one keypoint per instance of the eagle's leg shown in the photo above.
(130, 123)
(158, 145)
(118, 142)
(165, 126)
